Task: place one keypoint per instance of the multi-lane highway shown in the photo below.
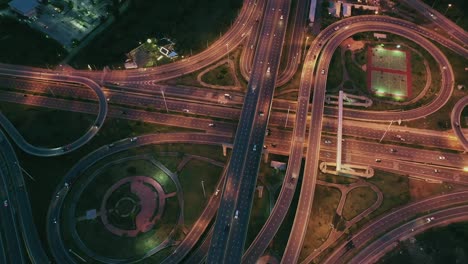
(382, 224)
(456, 121)
(233, 215)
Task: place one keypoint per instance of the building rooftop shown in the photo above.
(23, 6)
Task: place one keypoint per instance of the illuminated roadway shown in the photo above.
(234, 212)
(378, 248)
(447, 75)
(456, 121)
(440, 20)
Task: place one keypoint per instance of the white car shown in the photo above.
(441, 157)
(327, 141)
(5, 203)
(323, 71)
(237, 214)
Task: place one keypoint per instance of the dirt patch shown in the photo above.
(421, 189)
(353, 45)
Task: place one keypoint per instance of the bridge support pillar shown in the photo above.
(340, 132)
(224, 150)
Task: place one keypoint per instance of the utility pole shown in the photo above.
(164, 98)
(391, 122)
(203, 188)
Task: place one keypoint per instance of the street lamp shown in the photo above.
(448, 6)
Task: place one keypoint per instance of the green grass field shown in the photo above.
(437, 245)
(323, 210)
(98, 238)
(221, 75)
(357, 201)
(335, 72)
(190, 178)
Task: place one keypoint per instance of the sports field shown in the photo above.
(392, 59)
(389, 72)
(387, 83)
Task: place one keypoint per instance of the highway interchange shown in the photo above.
(241, 173)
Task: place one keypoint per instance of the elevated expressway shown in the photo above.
(360, 116)
(456, 121)
(38, 75)
(293, 53)
(236, 202)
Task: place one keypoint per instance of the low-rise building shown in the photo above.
(26, 8)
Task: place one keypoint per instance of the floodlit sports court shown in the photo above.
(389, 72)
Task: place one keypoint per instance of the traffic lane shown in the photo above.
(263, 49)
(393, 218)
(9, 225)
(456, 120)
(406, 153)
(382, 245)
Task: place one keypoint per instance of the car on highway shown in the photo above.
(261, 113)
(441, 157)
(265, 146)
(393, 150)
(5, 203)
(111, 145)
(281, 17)
(133, 139)
(436, 170)
(327, 141)
(211, 124)
(255, 148)
(378, 160)
(268, 132)
(274, 145)
(268, 70)
(217, 191)
(236, 216)
(323, 71)
(185, 110)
